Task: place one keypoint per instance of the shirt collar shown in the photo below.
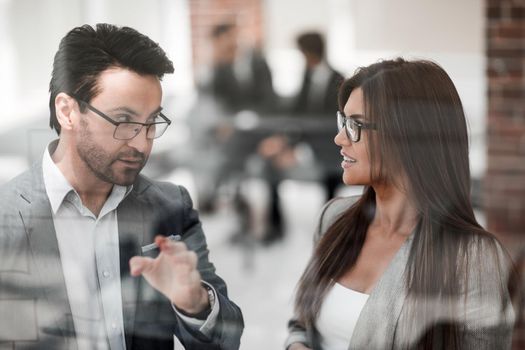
(320, 71)
(57, 186)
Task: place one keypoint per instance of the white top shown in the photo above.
(338, 316)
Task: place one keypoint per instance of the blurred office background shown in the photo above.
(481, 44)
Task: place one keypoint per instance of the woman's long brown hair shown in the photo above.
(421, 132)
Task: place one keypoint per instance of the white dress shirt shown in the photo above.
(89, 253)
(319, 80)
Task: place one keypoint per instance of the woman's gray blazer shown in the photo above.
(486, 314)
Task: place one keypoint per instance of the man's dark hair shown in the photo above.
(311, 42)
(85, 52)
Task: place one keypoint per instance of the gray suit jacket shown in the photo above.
(486, 314)
(34, 308)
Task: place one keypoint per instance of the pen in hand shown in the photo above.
(152, 246)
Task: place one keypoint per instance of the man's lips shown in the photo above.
(132, 160)
(135, 163)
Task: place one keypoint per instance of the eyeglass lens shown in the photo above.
(127, 131)
(350, 127)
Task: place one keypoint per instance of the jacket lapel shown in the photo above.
(38, 220)
(376, 325)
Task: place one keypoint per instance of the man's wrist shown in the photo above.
(204, 307)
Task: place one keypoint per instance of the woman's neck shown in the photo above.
(395, 211)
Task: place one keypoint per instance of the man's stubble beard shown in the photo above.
(100, 162)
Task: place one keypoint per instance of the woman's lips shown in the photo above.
(347, 160)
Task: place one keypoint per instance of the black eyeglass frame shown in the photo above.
(360, 125)
(116, 124)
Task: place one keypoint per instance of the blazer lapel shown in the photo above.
(376, 325)
(43, 243)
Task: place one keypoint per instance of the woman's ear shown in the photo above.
(64, 107)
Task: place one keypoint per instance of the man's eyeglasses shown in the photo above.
(128, 130)
(352, 126)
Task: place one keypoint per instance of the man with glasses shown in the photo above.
(72, 226)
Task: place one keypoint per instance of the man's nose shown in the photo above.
(140, 142)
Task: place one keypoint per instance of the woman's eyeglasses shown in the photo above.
(352, 126)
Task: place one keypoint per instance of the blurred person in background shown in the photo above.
(239, 79)
(317, 98)
(318, 93)
(72, 225)
(405, 265)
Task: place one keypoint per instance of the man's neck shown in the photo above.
(92, 191)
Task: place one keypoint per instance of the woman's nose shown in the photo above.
(340, 138)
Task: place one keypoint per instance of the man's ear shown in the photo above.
(65, 110)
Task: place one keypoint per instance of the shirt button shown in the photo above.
(106, 274)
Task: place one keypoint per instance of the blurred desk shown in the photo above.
(317, 132)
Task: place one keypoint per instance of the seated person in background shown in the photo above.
(406, 265)
(239, 79)
(72, 225)
(317, 97)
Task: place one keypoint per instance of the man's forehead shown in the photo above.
(122, 88)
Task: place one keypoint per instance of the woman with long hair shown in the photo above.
(405, 265)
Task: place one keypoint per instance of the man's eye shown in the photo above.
(153, 119)
(123, 118)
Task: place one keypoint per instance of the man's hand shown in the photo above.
(173, 273)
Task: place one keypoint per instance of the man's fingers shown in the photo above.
(188, 258)
(174, 252)
(174, 263)
(139, 264)
(168, 246)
